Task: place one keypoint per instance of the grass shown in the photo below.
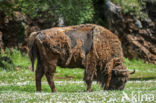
(70, 91)
(143, 71)
(18, 84)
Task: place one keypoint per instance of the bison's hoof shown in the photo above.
(89, 90)
(54, 90)
(38, 91)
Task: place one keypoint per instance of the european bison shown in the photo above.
(86, 46)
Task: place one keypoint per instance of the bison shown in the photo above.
(87, 46)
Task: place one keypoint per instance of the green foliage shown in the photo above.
(5, 62)
(73, 11)
(12, 59)
(7, 7)
(134, 7)
(28, 7)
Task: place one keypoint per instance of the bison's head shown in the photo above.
(119, 78)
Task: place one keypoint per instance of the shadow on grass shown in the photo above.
(143, 78)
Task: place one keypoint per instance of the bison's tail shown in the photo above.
(32, 48)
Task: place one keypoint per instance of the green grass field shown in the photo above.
(17, 84)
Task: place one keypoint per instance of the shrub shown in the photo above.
(134, 7)
(12, 59)
(73, 11)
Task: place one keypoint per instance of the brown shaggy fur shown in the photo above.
(55, 46)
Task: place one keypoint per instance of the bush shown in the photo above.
(134, 7)
(12, 59)
(72, 11)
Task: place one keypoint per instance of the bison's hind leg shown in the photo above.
(50, 80)
(39, 74)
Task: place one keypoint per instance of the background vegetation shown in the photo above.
(72, 11)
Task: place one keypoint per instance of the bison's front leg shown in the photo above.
(88, 77)
(50, 80)
(89, 84)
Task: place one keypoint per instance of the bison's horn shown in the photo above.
(132, 72)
